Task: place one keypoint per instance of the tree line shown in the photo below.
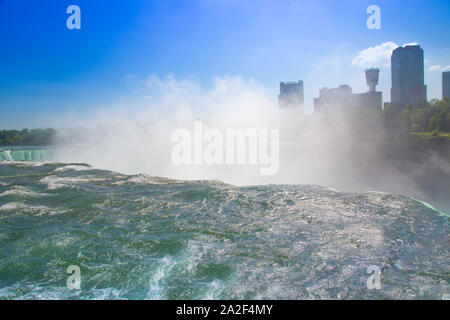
(433, 116)
(33, 137)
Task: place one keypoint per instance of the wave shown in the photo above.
(431, 207)
(54, 182)
(74, 167)
(19, 208)
(21, 191)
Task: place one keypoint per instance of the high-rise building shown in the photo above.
(291, 95)
(334, 99)
(446, 85)
(407, 76)
(342, 99)
(372, 76)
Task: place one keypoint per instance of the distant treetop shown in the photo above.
(26, 137)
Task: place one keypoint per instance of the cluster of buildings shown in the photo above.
(408, 87)
(336, 99)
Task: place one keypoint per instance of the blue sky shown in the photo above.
(46, 69)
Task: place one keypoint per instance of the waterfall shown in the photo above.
(7, 154)
(28, 154)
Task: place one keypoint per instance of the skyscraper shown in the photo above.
(334, 99)
(407, 76)
(446, 85)
(372, 76)
(291, 95)
(342, 99)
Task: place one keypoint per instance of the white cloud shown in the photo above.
(411, 44)
(377, 56)
(434, 68)
(438, 68)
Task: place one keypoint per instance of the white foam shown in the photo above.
(74, 168)
(54, 182)
(214, 290)
(137, 179)
(11, 206)
(156, 286)
(25, 163)
(24, 207)
(21, 191)
(20, 208)
(7, 154)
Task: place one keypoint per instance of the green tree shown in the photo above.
(405, 119)
(433, 124)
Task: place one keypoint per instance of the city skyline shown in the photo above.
(48, 70)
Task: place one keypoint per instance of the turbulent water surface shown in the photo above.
(142, 237)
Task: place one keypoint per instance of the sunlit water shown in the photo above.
(143, 237)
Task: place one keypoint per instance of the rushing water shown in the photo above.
(26, 154)
(143, 237)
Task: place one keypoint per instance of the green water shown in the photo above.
(28, 154)
(143, 237)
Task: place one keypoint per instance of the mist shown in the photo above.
(338, 151)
